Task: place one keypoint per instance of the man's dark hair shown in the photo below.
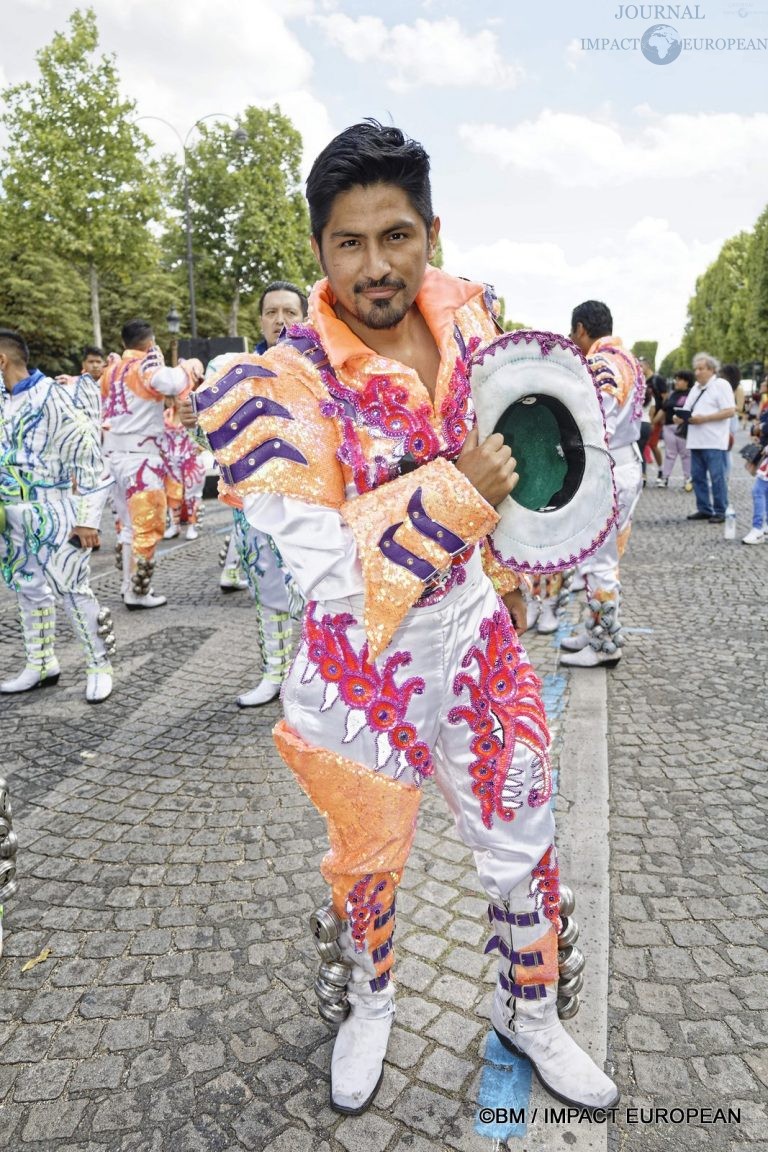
(92, 350)
(365, 154)
(731, 373)
(14, 344)
(283, 286)
(684, 374)
(596, 318)
(135, 332)
(658, 383)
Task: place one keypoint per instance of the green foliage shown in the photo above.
(646, 350)
(757, 304)
(249, 217)
(717, 313)
(508, 325)
(76, 180)
(672, 362)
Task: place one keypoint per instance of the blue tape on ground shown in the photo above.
(506, 1084)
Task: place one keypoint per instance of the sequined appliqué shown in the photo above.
(372, 696)
(545, 886)
(504, 710)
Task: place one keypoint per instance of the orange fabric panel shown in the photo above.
(546, 972)
(390, 589)
(147, 511)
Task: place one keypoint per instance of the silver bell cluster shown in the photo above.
(223, 550)
(605, 630)
(200, 512)
(333, 973)
(570, 960)
(9, 846)
(119, 556)
(142, 576)
(106, 629)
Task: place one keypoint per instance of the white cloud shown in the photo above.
(437, 53)
(580, 151)
(646, 277)
(574, 55)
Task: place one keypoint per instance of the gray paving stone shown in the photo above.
(368, 1132)
(445, 1070)
(423, 1110)
(44, 1081)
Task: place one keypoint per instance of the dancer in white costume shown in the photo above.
(352, 442)
(47, 531)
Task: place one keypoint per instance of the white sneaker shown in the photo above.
(662, 483)
(588, 658)
(192, 532)
(262, 694)
(565, 1070)
(33, 677)
(357, 1064)
(171, 531)
(99, 685)
(149, 600)
(576, 642)
(547, 622)
(531, 613)
(232, 581)
(754, 536)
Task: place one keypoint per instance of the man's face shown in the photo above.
(279, 310)
(702, 371)
(681, 384)
(94, 365)
(375, 249)
(581, 338)
(646, 367)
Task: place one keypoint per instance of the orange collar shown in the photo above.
(438, 300)
(605, 342)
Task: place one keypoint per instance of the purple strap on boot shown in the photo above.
(524, 959)
(523, 991)
(517, 919)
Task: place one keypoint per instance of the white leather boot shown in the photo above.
(525, 1016)
(548, 621)
(357, 1065)
(275, 635)
(576, 642)
(588, 657)
(604, 641)
(93, 627)
(533, 1028)
(532, 610)
(136, 590)
(42, 670)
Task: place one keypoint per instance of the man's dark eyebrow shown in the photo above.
(398, 226)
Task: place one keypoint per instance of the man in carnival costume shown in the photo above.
(622, 387)
(352, 442)
(46, 530)
(134, 389)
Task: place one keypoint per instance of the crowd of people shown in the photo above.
(364, 505)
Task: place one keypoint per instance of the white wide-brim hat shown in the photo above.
(536, 389)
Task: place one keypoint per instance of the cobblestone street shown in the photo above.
(170, 862)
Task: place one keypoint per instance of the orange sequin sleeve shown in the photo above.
(504, 579)
(406, 533)
(261, 416)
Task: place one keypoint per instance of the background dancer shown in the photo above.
(46, 530)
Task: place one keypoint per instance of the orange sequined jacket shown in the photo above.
(343, 457)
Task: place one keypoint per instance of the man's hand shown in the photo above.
(187, 414)
(196, 368)
(518, 612)
(89, 537)
(490, 466)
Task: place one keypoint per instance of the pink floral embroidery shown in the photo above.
(545, 886)
(362, 908)
(139, 482)
(505, 706)
(374, 698)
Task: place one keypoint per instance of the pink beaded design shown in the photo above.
(373, 698)
(362, 909)
(545, 886)
(505, 706)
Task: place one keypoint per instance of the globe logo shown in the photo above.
(661, 44)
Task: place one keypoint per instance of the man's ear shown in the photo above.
(434, 232)
(318, 254)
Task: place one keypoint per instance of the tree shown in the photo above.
(249, 218)
(646, 350)
(508, 325)
(717, 312)
(757, 305)
(673, 361)
(77, 182)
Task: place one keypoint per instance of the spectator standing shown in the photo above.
(676, 446)
(708, 409)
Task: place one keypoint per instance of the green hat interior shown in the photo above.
(547, 445)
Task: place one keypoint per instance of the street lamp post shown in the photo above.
(240, 134)
(174, 326)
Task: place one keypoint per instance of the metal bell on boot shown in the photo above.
(325, 925)
(567, 900)
(569, 933)
(570, 962)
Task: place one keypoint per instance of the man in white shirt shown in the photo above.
(711, 406)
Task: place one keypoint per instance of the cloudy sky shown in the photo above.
(562, 171)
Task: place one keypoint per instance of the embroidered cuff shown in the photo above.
(406, 533)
